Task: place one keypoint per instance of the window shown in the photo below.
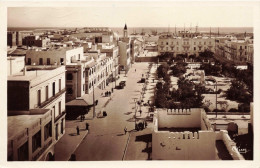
(69, 76)
(47, 131)
(240, 47)
(83, 87)
(194, 48)
(39, 97)
(40, 61)
(61, 126)
(69, 91)
(61, 61)
(194, 43)
(23, 152)
(29, 61)
(59, 85)
(245, 47)
(53, 89)
(60, 108)
(166, 43)
(56, 132)
(83, 74)
(204, 43)
(46, 92)
(48, 61)
(177, 43)
(161, 43)
(79, 57)
(177, 48)
(36, 141)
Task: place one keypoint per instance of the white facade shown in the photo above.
(189, 46)
(37, 89)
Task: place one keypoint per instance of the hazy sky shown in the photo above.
(135, 14)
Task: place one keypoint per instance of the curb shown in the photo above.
(77, 146)
(123, 158)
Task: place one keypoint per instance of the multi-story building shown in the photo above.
(36, 112)
(190, 46)
(36, 41)
(99, 70)
(14, 38)
(54, 56)
(239, 51)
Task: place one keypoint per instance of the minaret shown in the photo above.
(175, 30)
(210, 32)
(125, 32)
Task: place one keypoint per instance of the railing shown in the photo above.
(52, 98)
(60, 116)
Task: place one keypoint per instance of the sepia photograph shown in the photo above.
(130, 81)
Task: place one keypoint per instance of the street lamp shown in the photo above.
(135, 110)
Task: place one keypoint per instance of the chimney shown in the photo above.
(24, 71)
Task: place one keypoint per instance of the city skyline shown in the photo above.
(117, 13)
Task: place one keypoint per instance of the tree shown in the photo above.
(238, 92)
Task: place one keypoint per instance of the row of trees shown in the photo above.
(188, 95)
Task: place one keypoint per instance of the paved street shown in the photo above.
(106, 139)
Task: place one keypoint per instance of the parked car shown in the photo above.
(122, 84)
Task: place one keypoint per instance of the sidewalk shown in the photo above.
(70, 141)
(149, 94)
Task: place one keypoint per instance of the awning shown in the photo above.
(78, 102)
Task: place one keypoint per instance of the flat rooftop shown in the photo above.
(18, 123)
(33, 73)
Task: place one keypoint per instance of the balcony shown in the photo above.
(62, 115)
(52, 98)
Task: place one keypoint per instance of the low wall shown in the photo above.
(146, 59)
(182, 145)
(230, 144)
(190, 118)
(205, 123)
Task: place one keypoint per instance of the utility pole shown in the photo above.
(216, 98)
(135, 110)
(94, 103)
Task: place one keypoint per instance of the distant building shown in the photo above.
(36, 112)
(187, 46)
(36, 41)
(14, 38)
(238, 51)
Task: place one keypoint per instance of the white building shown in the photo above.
(190, 46)
(36, 112)
(186, 134)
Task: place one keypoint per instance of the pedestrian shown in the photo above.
(112, 90)
(125, 129)
(87, 125)
(96, 102)
(140, 112)
(109, 93)
(153, 80)
(135, 70)
(77, 130)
